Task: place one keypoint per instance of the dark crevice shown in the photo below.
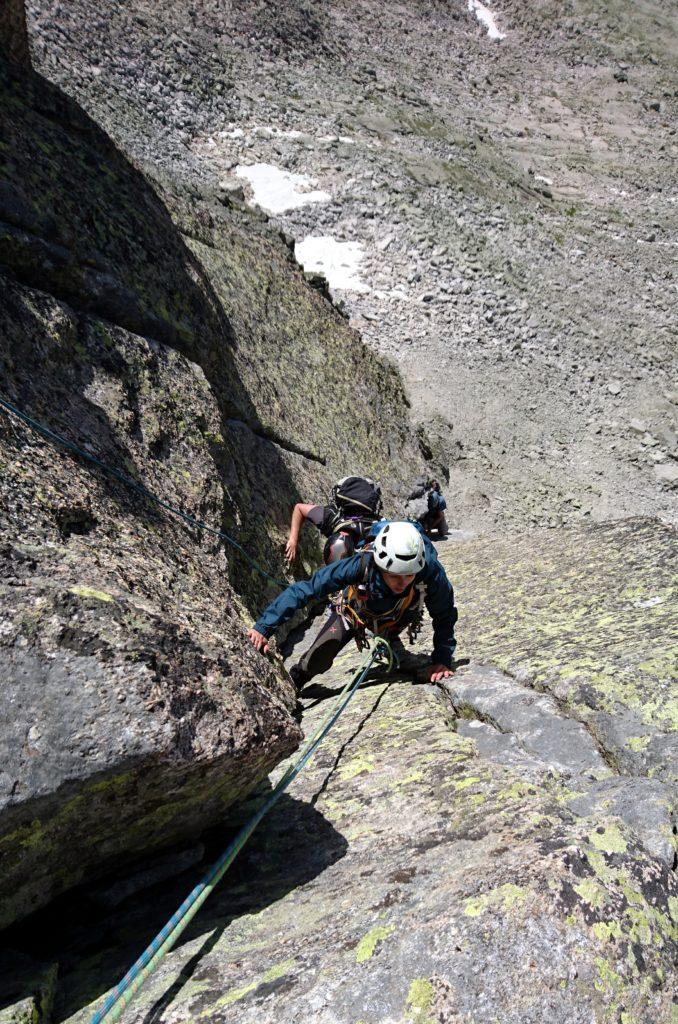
(363, 722)
(160, 448)
(74, 520)
(270, 435)
(608, 756)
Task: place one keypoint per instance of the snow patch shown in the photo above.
(338, 262)
(337, 138)
(486, 18)
(276, 190)
(276, 133)
(651, 602)
(545, 181)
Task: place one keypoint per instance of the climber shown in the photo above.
(355, 504)
(434, 517)
(380, 589)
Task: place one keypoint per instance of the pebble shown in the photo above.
(447, 239)
(667, 473)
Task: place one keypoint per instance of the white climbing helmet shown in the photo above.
(399, 548)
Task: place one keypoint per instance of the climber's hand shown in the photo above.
(438, 672)
(258, 640)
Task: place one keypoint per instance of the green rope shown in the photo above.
(125, 991)
(139, 488)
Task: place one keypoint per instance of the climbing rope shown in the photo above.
(139, 488)
(125, 991)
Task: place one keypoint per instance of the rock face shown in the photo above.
(476, 853)
(175, 339)
(13, 34)
(513, 198)
(586, 617)
(500, 849)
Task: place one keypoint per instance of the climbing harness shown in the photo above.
(349, 605)
(40, 428)
(125, 991)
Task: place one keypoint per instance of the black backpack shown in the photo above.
(356, 501)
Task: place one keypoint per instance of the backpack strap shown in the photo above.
(349, 605)
(359, 525)
(366, 554)
(347, 602)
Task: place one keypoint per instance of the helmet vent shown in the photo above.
(395, 538)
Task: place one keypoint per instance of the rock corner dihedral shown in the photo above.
(216, 220)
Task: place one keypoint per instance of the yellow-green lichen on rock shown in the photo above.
(419, 999)
(420, 901)
(567, 619)
(368, 944)
(147, 326)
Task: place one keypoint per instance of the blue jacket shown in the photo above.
(436, 502)
(438, 598)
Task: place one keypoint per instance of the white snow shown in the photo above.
(337, 138)
(337, 261)
(486, 18)
(268, 132)
(276, 190)
(545, 181)
(650, 603)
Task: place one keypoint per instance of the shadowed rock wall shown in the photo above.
(174, 338)
(13, 34)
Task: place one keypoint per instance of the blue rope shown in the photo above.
(168, 936)
(139, 488)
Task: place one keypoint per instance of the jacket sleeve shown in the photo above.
(326, 581)
(439, 601)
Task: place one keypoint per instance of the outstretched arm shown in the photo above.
(299, 514)
(321, 584)
(440, 605)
